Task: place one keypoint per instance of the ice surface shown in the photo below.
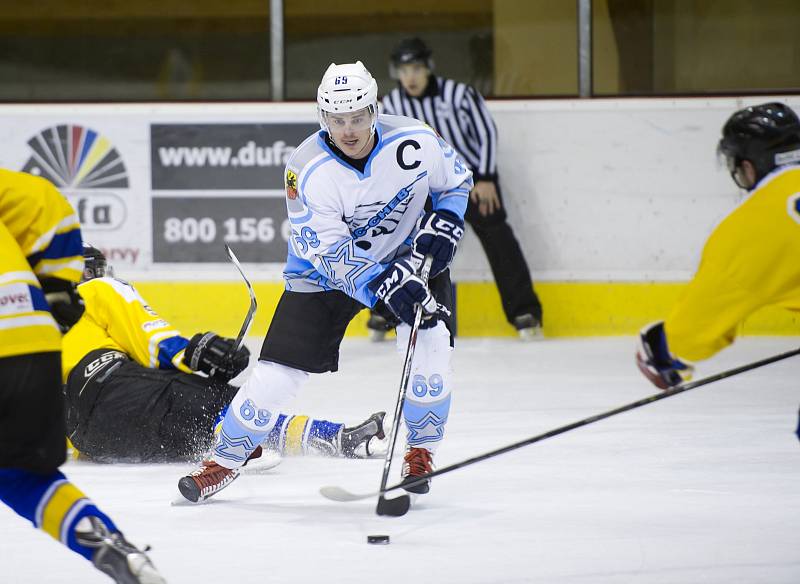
(703, 487)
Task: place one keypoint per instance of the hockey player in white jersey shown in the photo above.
(368, 197)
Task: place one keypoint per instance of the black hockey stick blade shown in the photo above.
(396, 507)
(339, 494)
(248, 319)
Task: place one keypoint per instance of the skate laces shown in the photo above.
(417, 462)
(210, 474)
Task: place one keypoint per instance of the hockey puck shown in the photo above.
(378, 539)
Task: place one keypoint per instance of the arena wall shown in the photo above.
(611, 200)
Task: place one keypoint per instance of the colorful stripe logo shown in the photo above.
(75, 157)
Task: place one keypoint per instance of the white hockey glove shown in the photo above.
(661, 367)
(401, 290)
(438, 236)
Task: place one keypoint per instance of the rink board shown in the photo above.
(571, 308)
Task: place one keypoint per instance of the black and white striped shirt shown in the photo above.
(457, 111)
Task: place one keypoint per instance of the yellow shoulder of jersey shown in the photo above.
(118, 318)
(43, 223)
(40, 237)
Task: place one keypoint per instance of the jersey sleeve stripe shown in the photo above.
(24, 277)
(168, 349)
(66, 269)
(67, 244)
(68, 223)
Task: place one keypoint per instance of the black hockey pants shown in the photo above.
(127, 412)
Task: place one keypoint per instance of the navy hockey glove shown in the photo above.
(438, 235)
(66, 305)
(401, 290)
(215, 355)
(660, 366)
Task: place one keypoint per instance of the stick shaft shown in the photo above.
(401, 393)
(602, 416)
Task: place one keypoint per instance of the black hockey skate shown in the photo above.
(529, 328)
(378, 327)
(363, 433)
(417, 462)
(115, 556)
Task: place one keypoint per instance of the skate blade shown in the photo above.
(261, 465)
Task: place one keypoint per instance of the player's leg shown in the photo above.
(520, 303)
(125, 412)
(301, 435)
(427, 400)
(32, 447)
(304, 337)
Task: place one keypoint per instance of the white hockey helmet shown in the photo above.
(347, 88)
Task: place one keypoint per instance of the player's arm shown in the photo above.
(721, 295)
(440, 230)
(120, 310)
(48, 233)
(149, 339)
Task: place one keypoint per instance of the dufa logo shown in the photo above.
(84, 165)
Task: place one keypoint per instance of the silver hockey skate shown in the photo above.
(360, 441)
(114, 555)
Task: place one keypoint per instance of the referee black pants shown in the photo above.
(505, 257)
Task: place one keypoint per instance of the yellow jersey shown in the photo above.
(119, 319)
(751, 260)
(39, 237)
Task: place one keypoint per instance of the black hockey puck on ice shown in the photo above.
(378, 539)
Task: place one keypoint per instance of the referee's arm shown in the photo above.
(478, 123)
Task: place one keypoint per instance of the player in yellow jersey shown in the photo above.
(40, 263)
(131, 391)
(750, 260)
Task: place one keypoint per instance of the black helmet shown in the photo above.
(94, 263)
(413, 50)
(768, 135)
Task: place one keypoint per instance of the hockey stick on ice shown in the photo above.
(251, 312)
(400, 505)
(340, 494)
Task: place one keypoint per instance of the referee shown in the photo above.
(457, 111)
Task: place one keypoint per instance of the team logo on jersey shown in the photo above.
(382, 222)
(87, 168)
(291, 184)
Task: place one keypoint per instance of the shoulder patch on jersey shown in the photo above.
(291, 184)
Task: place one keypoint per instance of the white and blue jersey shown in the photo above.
(347, 225)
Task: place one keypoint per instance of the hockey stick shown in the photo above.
(340, 494)
(251, 312)
(400, 505)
